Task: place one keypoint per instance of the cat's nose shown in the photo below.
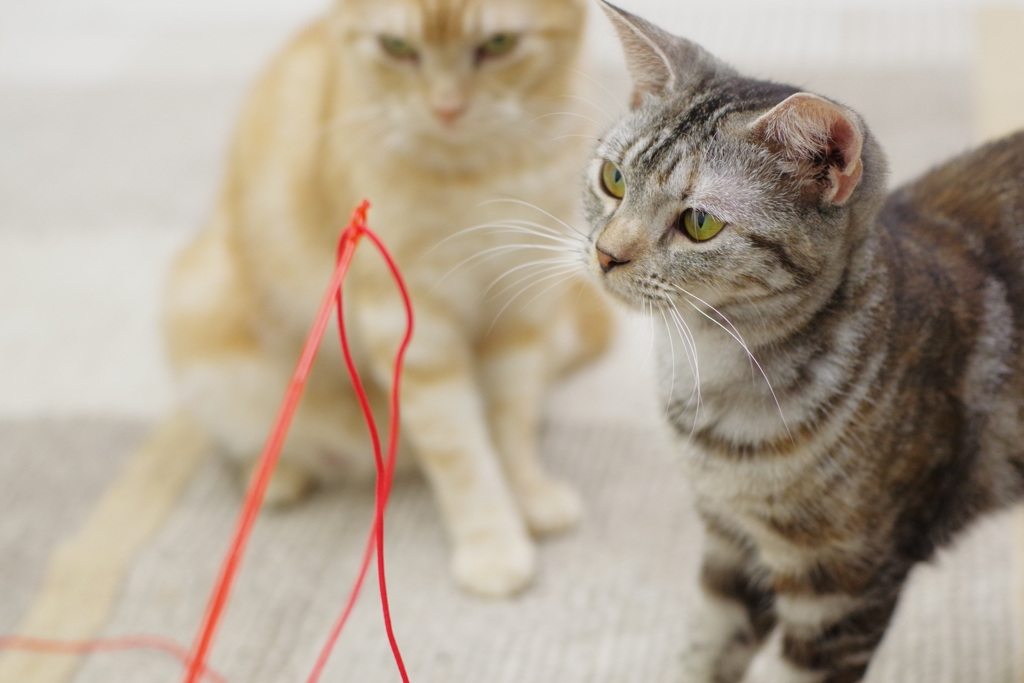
(609, 261)
(448, 115)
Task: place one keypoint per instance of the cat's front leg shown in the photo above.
(831, 620)
(733, 614)
(514, 375)
(444, 417)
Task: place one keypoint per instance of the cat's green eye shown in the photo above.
(701, 226)
(398, 48)
(611, 178)
(498, 45)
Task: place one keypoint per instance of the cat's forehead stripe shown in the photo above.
(635, 148)
(700, 117)
(700, 120)
(444, 19)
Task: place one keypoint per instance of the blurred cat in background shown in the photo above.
(428, 108)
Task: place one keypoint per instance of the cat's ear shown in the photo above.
(820, 141)
(658, 61)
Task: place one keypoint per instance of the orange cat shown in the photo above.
(429, 108)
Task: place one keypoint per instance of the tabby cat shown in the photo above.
(428, 108)
(845, 376)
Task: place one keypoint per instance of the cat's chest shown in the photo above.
(740, 441)
(711, 382)
(783, 506)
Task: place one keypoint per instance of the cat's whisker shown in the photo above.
(672, 355)
(545, 232)
(695, 392)
(571, 275)
(532, 279)
(494, 252)
(575, 135)
(508, 227)
(566, 113)
(520, 230)
(738, 336)
(688, 335)
(578, 98)
(545, 263)
(518, 246)
(751, 356)
(650, 333)
(512, 200)
(460, 233)
(563, 276)
(617, 100)
(750, 301)
(641, 318)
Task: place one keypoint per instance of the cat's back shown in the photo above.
(964, 221)
(982, 178)
(979, 195)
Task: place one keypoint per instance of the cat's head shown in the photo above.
(717, 189)
(456, 71)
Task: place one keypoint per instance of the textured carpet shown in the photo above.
(606, 607)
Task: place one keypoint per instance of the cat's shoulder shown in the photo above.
(283, 114)
(301, 68)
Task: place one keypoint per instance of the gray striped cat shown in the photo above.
(844, 381)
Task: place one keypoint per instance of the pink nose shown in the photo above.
(449, 115)
(607, 261)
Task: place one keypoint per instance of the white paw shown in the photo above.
(550, 506)
(769, 665)
(288, 486)
(495, 565)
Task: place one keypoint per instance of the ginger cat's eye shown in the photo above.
(398, 48)
(611, 178)
(701, 226)
(498, 45)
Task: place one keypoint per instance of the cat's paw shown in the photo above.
(495, 566)
(550, 506)
(290, 484)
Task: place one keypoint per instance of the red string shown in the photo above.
(195, 660)
(385, 467)
(385, 470)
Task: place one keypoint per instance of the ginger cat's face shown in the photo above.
(455, 71)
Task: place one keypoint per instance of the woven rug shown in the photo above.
(607, 607)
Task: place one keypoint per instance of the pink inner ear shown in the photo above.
(844, 182)
(848, 142)
(812, 130)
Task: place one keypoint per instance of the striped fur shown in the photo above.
(843, 371)
(431, 139)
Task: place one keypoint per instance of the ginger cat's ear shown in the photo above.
(820, 141)
(658, 62)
